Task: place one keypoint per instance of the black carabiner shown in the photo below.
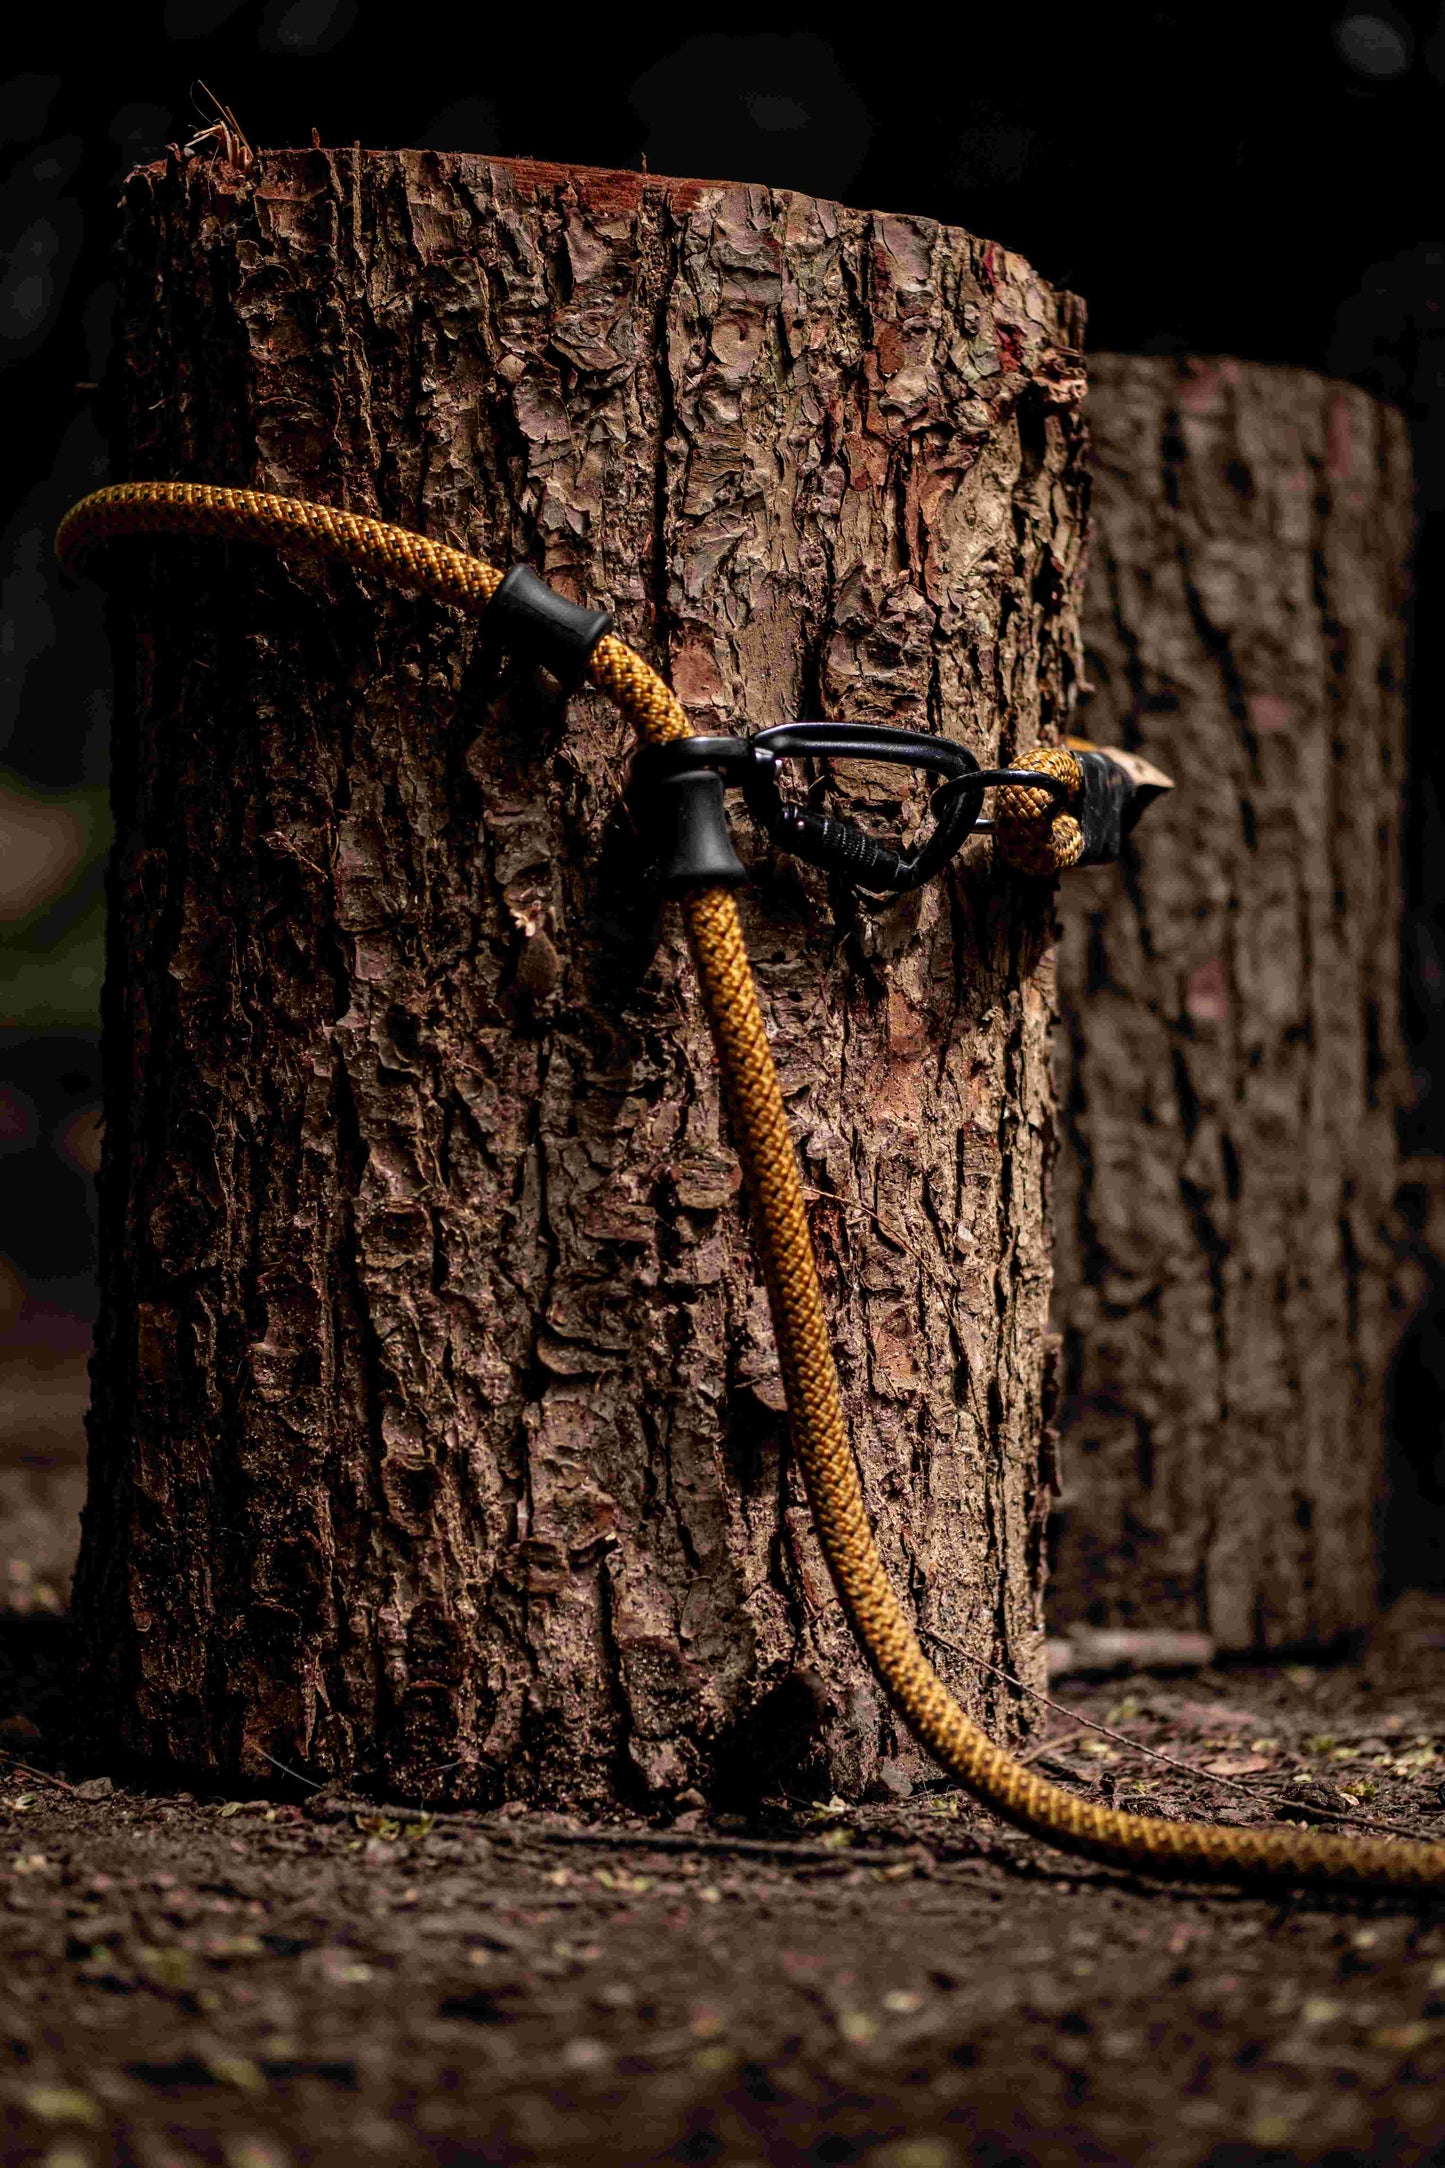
(839, 846)
(682, 785)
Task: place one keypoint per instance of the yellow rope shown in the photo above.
(1193, 1851)
(1028, 830)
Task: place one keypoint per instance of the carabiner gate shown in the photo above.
(680, 786)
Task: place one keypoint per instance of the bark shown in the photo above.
(438, 1433)
(1226, 1262)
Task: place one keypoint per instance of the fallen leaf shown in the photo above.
(253, 2153)
(390, 1827)
(378, 1825)
(169, 1967)
(1238, 1765)
(584, 2054)
(62, 2104)
(1404, 2037)
(343, 1970)
(857, 2026)
(714, 2061)
(236, 2070)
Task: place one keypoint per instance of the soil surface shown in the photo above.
(311, 1978)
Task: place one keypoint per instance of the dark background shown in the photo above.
(1260, 181)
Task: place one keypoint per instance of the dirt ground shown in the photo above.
(312, 1979)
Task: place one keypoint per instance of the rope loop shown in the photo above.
(1031, 831)
(1036, 839)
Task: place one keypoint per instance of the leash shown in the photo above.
(1058, 807)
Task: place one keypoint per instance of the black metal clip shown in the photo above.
(681, 785)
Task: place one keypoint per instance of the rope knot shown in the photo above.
(1033, 832)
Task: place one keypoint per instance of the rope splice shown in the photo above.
(1187, 1851)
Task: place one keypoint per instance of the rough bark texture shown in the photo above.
(438, 1432)
(1225, 1262)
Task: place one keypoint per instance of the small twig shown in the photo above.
(1188, 1769)
(225, 131)
(288, 1771)
(43, 1775)
(1033, 1753)
(676, 1840)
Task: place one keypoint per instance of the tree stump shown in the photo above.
(1226, 1268)
(438, 1437)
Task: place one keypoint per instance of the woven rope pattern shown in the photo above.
(247, 515)
(1193, 1851)
(1030, 832)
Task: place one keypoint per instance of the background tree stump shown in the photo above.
(1226, 1272)
(438, 1437)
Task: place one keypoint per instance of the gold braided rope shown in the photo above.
(1029, 831)
(1192, 1851)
